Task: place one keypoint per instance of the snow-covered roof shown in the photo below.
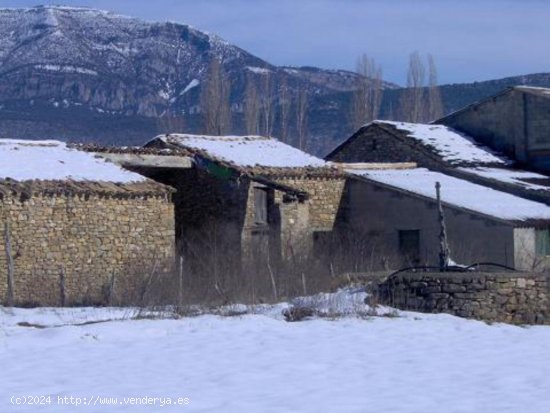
(246, 151)
(525, 179)
(539, 91)
(451, 145)
(51, 160)
(459, 193)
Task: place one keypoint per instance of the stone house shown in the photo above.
(393, 215)
(241, 202)
(515, 122)
(70, 224)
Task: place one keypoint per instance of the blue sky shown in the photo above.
(470, 40)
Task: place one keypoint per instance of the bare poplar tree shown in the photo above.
(267, 104)
(435, 103)
(301, 118)
(412, 102)
(284, 109)
(367, 97)
(215, 101)
(251, 106)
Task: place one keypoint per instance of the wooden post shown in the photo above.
(62, 293)
(180, 289)
(443, 245)
(7, 239)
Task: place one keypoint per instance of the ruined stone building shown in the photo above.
(70, 224)
(75, 218)
(243, 203)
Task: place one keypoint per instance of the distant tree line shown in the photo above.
(419, 102)
(267, 106)
(271, 106)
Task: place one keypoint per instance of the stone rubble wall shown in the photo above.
(325, 197)
(510, 297)
(89, 240)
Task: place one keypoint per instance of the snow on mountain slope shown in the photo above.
(134, 59)
(60, 63)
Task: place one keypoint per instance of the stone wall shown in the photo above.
(511, 297)
(85, 240)
(497, 122)
(376, 144)
(325, 197)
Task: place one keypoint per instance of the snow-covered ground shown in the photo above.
(261, 363)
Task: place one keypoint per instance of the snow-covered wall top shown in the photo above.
(460, 193)
(453, 146)
(52, 160)
(247, 151)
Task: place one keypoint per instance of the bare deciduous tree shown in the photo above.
(215, 101)
(267, 103)
(284, 109)
(412, 104)
(302, 118)
(251, 106)
(435, 104)
(367, 97)
(418, 103)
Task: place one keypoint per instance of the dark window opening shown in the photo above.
(409, 245)
(260, 206)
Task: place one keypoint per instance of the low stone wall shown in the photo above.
(518, 298)
(81, 244)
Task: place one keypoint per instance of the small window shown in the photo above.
(260, 206)
(409, 245)
(542, 240)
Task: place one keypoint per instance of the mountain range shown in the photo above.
(84, 75)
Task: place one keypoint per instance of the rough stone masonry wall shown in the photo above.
(325, 197)
(518, 298)
(376, 144)
(89, 240)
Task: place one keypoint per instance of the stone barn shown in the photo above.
(247, 204)
(392, 215)
(72, 224)
(267, 192)
(444, 149)
(515, 122)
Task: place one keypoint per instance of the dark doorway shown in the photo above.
(409, 246)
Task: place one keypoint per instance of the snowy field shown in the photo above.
(261, 363)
